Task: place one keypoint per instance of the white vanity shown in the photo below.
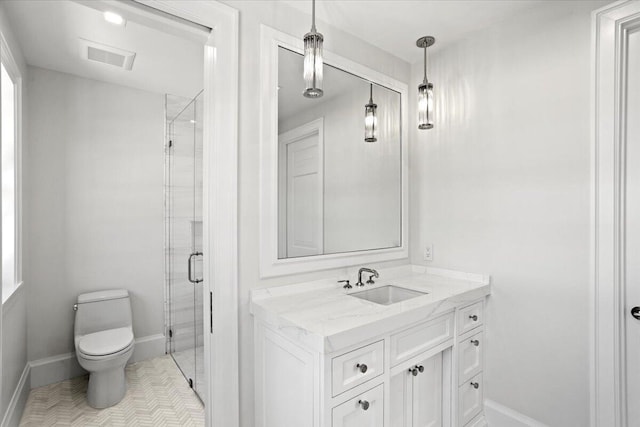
(326, 358)
(402, 356)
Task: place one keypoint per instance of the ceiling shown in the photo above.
(48, 33)
(395, 25)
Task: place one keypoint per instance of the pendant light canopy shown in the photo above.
(370, 119)
(313, 59)
(425, 89)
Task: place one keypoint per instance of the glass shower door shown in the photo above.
(183, 195)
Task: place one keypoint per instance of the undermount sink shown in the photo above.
(386, 295)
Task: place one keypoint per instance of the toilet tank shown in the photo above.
(98, 311)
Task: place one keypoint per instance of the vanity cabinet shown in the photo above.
(470, 350)
(421, 374)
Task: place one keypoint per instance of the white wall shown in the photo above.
(286, 19)
(94, 203)
(14, 346)
(13, 325)
(501, 185)
(362, 181)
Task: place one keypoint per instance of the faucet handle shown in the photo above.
(347, 285)
(370, 281)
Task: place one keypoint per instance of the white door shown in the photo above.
(301, 212)
(632, 216)
(615, 269)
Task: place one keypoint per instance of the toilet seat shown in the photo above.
(105, 343)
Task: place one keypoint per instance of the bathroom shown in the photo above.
(509, 192)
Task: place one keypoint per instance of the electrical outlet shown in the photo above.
(428, 253)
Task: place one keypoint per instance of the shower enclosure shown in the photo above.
(183, 237)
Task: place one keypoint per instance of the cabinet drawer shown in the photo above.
(470, 350)
(356, 367)
(420, 338)
(470, 399)
(470, 317)
(366, 409)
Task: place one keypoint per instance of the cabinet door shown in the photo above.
(426, 398)
(365, 410)
(400, 399)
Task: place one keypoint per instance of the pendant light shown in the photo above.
(313, 59)
(425, 89)
(370, 119)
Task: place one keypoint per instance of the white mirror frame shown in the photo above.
(270, 265)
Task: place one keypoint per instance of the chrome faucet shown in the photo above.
(368, 270)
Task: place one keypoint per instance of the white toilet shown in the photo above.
(104, 343)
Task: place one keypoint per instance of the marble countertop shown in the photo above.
(323, 317)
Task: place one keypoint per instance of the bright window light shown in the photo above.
(8, 145)
(114, 18)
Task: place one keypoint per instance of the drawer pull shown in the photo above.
(475, 342)
(362, 367)
(475, 385)
(473, 317)
(364, 404)
(416, 369)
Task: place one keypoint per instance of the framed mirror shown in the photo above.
(331, 196)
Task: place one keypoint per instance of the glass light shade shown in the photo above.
(425, 106)
(370, 123)
(313, 63)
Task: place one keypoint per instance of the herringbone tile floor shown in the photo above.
(157, 396)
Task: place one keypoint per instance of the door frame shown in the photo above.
(284, 139)
(611, 26)
(220, 199)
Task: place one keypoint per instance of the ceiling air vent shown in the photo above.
(99, 52)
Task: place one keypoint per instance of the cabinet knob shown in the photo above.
(475, 385)
(416, 370)
(635, 312)
(475, 342)
(473, 317)
(362, 367)
(364, 404)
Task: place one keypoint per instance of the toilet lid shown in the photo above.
(106, 342)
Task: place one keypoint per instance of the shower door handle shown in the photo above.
(190, 262)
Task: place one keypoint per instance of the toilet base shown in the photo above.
(106, 388)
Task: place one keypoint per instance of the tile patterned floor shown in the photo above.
(157, 395)
(191, 362)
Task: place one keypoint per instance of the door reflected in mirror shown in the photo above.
(336, 192)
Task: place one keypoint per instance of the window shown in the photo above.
(9, 109)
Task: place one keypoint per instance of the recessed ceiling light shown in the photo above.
(192, 121)
(114, 18)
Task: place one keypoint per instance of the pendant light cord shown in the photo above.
(313, 16)
(371, 93)
(425, 62)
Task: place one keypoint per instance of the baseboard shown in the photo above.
(18, 400)
(61, 367)
(148, 347)
(498, 415)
